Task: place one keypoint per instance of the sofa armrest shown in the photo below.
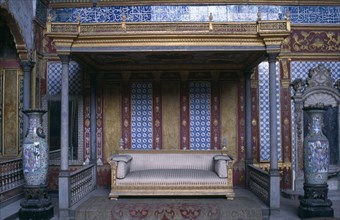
(222, 157)
(122, 165)
(121, 158)
(221, 163)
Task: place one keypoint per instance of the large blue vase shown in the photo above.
(35, 153)
(315, 149)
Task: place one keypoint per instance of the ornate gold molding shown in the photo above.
(312, 41)
(266, 166)
(274, 33)
(241, 34)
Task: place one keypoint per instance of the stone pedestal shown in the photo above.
(315, 202)
(37, 204)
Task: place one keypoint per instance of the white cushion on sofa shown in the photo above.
(221, 168)
(172, 177)
(172, 161)
(123, 158)
(122, 169)
(222, 157)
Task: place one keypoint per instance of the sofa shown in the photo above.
(184, 173)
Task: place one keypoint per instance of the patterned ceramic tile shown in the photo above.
(299, 69)
(312, 14)
(200, 96)
(299, 14)
(264, 112)
(175, 13)
(141, 115)
(54, 78)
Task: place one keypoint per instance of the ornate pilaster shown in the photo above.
(215, 116)
(126, 117)
(255, 131)
(92, 117)
(157, 116)
(87, 119)
(241, 121)
(286, 126)
(248, 123)
(99, 126)
(184, 117)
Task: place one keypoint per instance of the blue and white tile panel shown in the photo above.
(54, 69)
(200, 98)
(141, 116)
(299, 69)
(226, 13)
(264, 111)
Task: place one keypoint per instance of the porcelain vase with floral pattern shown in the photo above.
(315, 149)
(35, 150)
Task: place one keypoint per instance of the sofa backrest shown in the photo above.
(141, 161)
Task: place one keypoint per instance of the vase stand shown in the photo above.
(315, 202)
(37, 204)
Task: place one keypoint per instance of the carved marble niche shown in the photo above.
(318, 89)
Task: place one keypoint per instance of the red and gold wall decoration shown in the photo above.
(310, 40)
(241, 122)
(99, 126)
(87, 125)
(126, 114)
(255, 132)
(215, 116)
(286, 127)
(157, 117)
(184, 117)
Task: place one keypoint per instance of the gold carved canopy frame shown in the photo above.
(255, 39)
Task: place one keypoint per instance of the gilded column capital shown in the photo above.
(272, 57)
(65, 59)
(27, 65)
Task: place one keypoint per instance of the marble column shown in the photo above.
(64, 175)
(248, 161)
(27, 67)
(273, 171)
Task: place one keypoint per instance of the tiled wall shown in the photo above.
(200, 96)
(264, 112)
(299, 14)
(141, 115)
(54, 78)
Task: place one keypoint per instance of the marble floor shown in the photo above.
(288, 210)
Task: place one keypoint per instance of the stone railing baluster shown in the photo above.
(11, 175)
(259, 183)
(82, 182)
